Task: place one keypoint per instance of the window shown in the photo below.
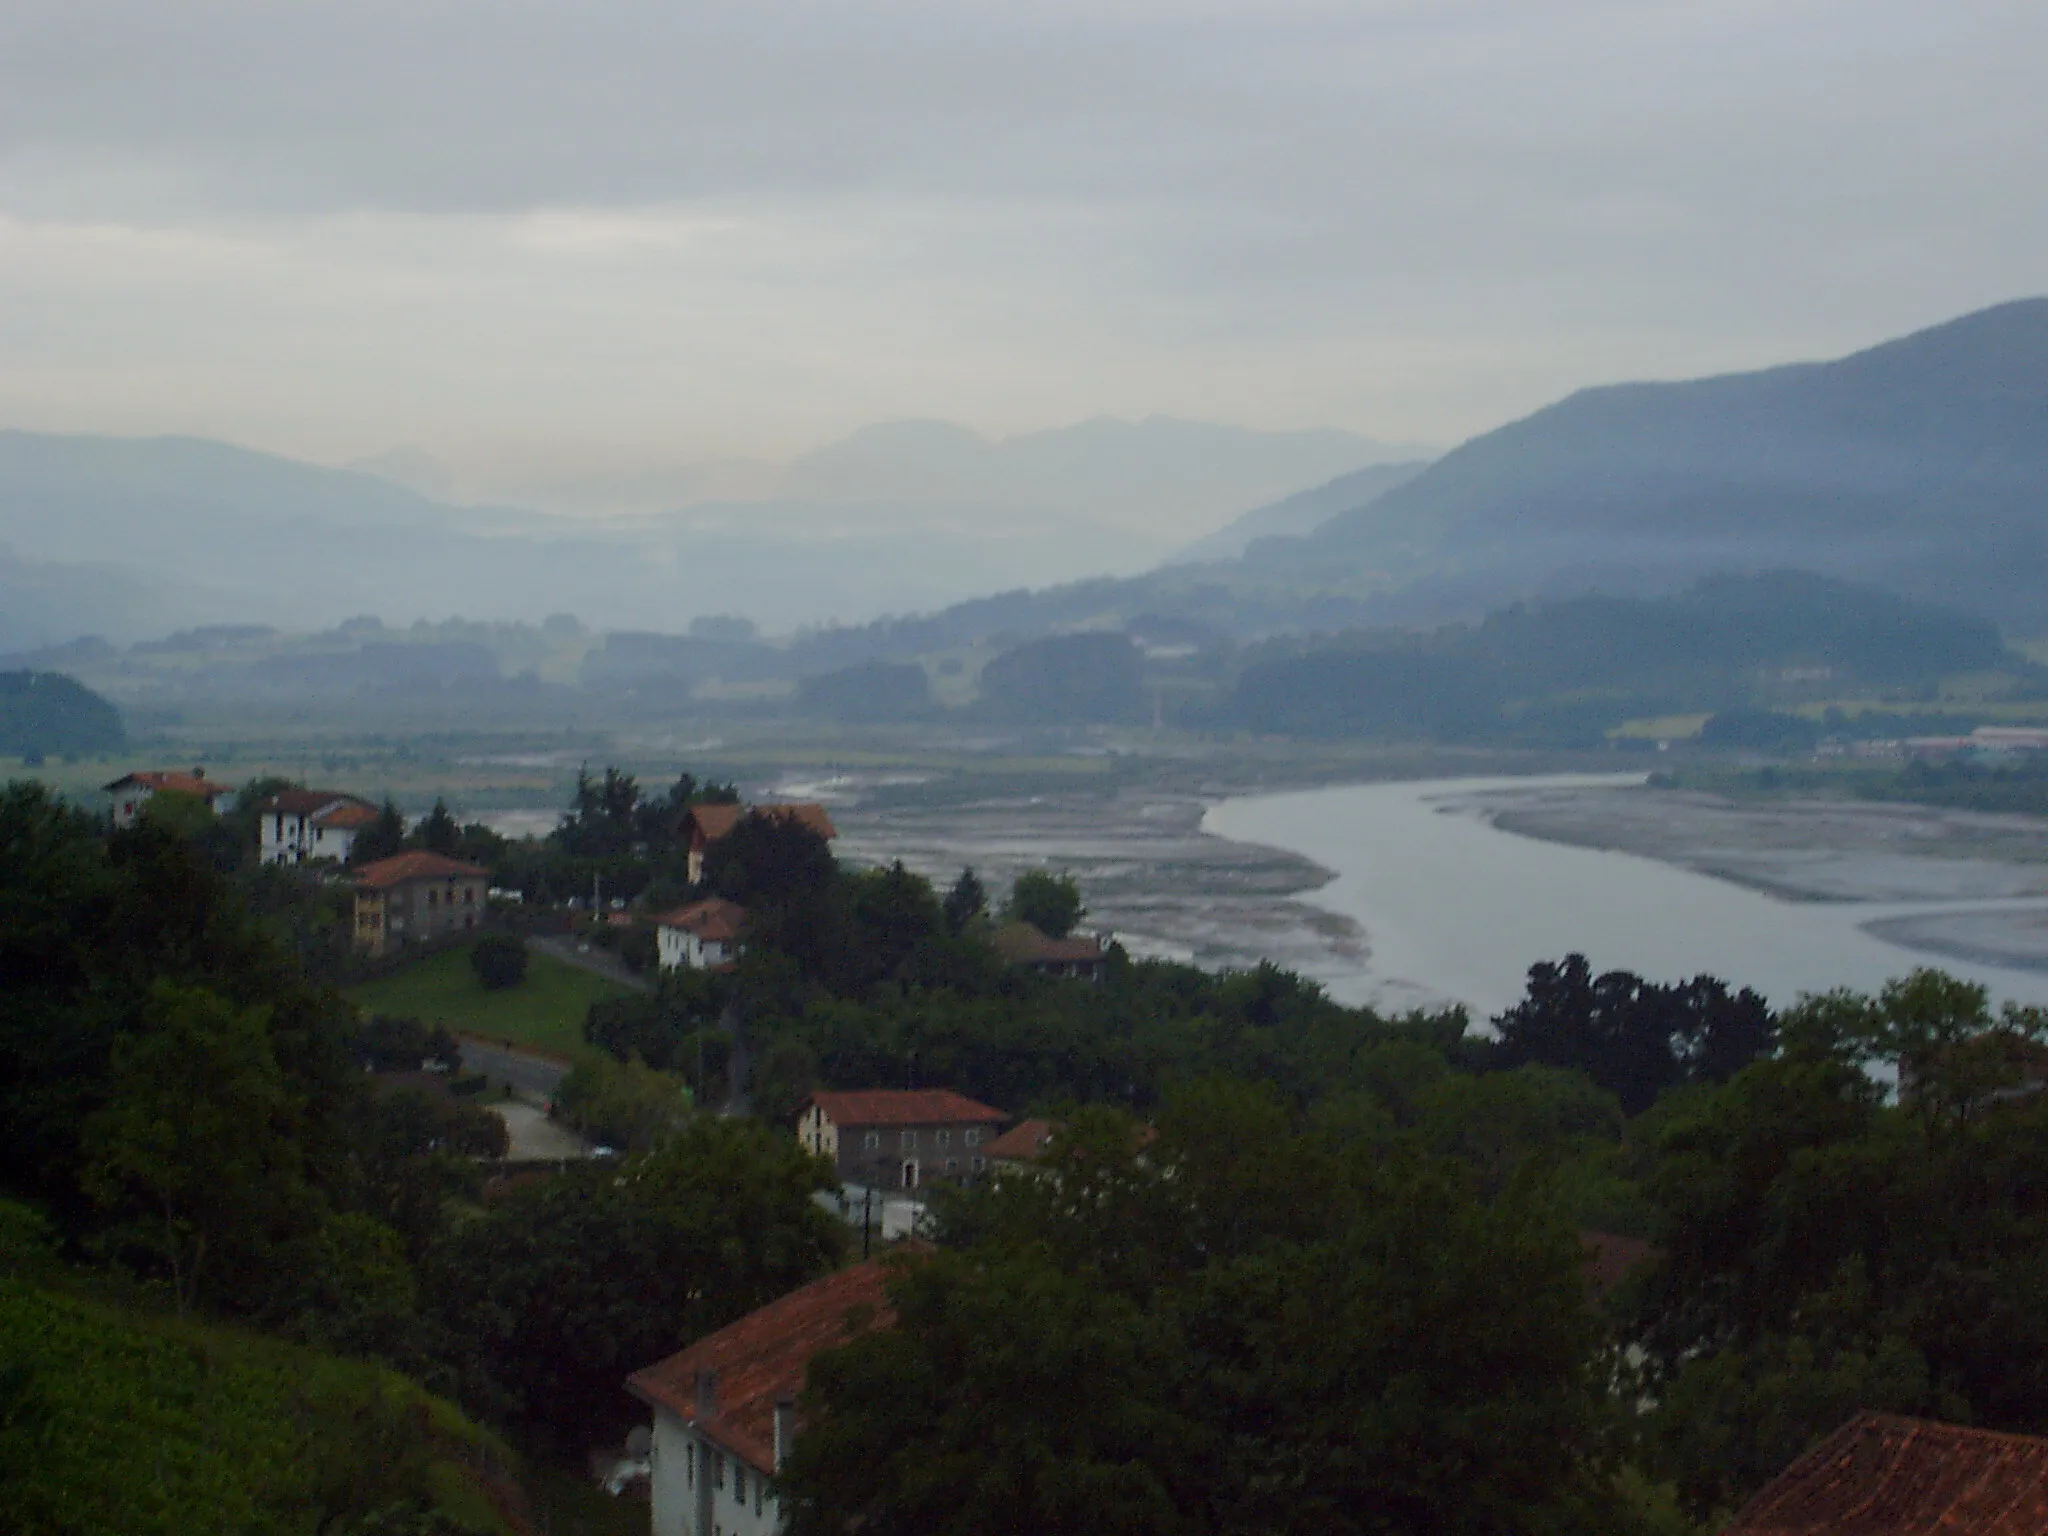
(872, 1141)
(690, 1464)
(980, 1163)
(908, 1140)
(952, 1165)
(910, 1174)
(739, 1484)
(469, 895)
(944, 1138)
(433, 896)
(973, 1138)
(718, 1469)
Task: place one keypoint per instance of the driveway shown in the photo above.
(532, 1076)
(588, 957)
(535, 1137)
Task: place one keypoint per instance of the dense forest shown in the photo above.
(1329, 1271)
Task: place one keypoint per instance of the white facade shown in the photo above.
(294, 837)
(817, 1133)
(678, 948)
(702, 1489)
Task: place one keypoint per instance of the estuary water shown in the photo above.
(1453, 908)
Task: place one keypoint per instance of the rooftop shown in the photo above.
(1883, 1476)
(173, 782)
(417, 865)
(763, 1359)
(715, 918)
(903, 1106)
(1022, 944)
(715, 821)
(1024, 1142)
(304, 802)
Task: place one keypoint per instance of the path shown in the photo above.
(536, 1138)
(535, 1076)
(588, 957)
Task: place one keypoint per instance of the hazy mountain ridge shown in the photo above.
(1920, 464)
(1302, 513)
(203, 531)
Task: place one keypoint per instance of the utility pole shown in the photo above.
(867, 1209)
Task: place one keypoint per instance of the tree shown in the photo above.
(1632, 1037)
(192, 1146)
(382, 838)
(1048, 902)
(560, 1291)
(437, 831)
(966, 901)
(499, 960)
(1169, 1336)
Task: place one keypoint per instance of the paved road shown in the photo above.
(587, 957)
(528, 1074)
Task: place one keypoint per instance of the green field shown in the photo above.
(114, 1423)
(546, 1010)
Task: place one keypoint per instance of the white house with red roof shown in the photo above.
(297, 826)
(896, 1138)
(132, 791)
(701, 936)
(725, 1412)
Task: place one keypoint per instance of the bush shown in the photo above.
(500, 961)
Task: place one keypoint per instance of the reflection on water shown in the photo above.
(1455, 909)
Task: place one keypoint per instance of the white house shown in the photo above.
(132, 791)
(702, 936)
(295, 826)
(725, 1408)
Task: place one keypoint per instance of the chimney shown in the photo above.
(785, 1431)
(707, 1395)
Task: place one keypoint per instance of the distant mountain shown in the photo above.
(1160, 473)
(1302, 513)
(1920, 465)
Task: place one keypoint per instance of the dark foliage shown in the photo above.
(499, 960)
(1066, 679)
(46, 714)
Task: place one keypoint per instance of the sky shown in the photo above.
(543, 239)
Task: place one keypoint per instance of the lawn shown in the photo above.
(545, 1010)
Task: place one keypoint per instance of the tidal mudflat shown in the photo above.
(1416, 893)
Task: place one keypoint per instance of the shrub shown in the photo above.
(500, 961)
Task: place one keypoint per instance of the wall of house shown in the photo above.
(299, 839)
(684, 1467)
(817, 1134)
(875, 1155)
(679, 948)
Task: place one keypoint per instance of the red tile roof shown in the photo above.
(347, 816)
(418, 865)
(1022, 944)
(763, 1359)
(903, 1106)
(1884, 1476)
(715, 918)
(711, 822)
(173, 782)
(304, 802)
(1024, 1142)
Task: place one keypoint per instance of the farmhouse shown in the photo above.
(725, 1408)
(702, 936)
(132, 791)
(295, 826)
(416, 898)
(704, 825)
(893, 1138)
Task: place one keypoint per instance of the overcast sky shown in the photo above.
(543, 236)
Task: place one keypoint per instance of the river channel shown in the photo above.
(1449, 906)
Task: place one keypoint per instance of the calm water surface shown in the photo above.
(1454, 909)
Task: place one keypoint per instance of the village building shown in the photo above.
(297, 826)
(725, 1413)
(1021, 1148)
(702, 936)
(1078, 955)
(704, 825)
(897, 1138)
(1879, 1475)
(132, 791)
(416, 898)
